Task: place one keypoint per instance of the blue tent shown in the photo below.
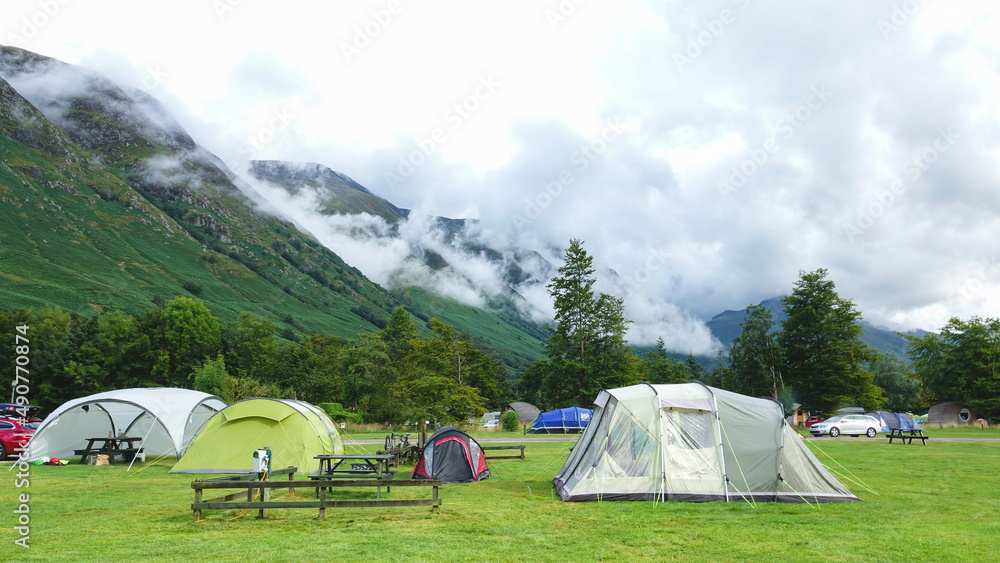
(561, 421)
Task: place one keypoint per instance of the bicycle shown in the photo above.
(397, 441)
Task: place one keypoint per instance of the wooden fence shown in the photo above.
(489, 456)
(248, 488)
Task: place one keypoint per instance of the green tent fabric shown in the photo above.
(295, 431)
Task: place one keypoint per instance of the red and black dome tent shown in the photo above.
(451, 456)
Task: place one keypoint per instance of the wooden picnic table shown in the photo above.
(907, 436)
(374, 466)
(109, 446)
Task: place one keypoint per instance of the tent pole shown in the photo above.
(663, 450)
(722, 452)
(141, 444)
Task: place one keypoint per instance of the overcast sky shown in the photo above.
(706, 151)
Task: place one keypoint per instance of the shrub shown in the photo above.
(192, 287)
(509, 421)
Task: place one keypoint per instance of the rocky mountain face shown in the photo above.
(333, 193)
(110, 204)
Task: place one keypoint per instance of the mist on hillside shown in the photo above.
(394, 256)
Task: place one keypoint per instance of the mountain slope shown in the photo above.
(726, 327)
(111, 205)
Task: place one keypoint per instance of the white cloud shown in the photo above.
(894, 82)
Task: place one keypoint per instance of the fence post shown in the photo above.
(197, 499)
(322, 507)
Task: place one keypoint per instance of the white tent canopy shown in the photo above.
(692, 442)
(166, 417)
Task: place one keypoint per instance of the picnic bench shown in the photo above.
(911, 435)
(488, 456)
(231, 501)
(111, 446)
(374, 466)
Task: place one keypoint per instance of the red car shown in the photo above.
(14, 436)
(813, 420)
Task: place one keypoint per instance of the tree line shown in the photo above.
(815, 359)
(391, 375)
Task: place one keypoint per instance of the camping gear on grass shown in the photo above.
(571, 420)
(166, 417)
(451, 456)
(295, 431)
(691, 442)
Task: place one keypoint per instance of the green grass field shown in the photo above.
(936, 503)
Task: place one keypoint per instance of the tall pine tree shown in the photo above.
(824, 354)
(587, 350)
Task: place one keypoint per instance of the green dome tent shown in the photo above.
(295, 431)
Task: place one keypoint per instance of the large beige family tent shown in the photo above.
(295, 431)
(165, 418)
(691, 442)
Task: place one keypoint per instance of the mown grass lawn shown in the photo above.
(935, 503)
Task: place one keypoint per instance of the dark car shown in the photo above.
(14, 410)
(14, 435)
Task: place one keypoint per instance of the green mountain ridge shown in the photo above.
(111, 205)
(726, 327)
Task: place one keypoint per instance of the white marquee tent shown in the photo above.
(167, 419)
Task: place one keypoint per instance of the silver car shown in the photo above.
(850, 424)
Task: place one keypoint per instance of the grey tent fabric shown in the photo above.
(691, 442)
(526, 412)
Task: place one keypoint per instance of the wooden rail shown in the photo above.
(488, 456)
(399, 455)
(229, 501)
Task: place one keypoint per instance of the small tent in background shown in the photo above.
(295, 431)
(571, 420)
(691, 442)
(451, 456)
(166, 418)
(526, 412)
(950, 413)
(893, 420)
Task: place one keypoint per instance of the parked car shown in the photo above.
(851, 424)
(491, 424)
(813, 420)
(14, 410)
(14, 436)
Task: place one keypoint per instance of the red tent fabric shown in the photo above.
(452, 456)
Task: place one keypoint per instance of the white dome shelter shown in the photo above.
(167, 419)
